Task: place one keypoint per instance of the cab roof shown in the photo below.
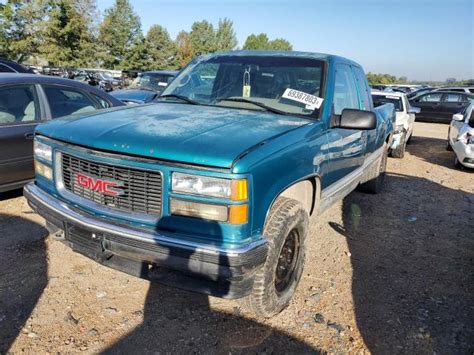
(295, 54)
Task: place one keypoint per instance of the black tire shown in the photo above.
(448, 145)
(457, 164)
(399, 152)
(271, 293)
(409, 138)
(375, 184)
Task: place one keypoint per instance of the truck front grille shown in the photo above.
(138, 191)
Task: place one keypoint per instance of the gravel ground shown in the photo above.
(387, 273)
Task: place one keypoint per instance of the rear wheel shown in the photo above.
(276, 281)
(376, 177)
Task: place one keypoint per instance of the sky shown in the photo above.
(419, 39)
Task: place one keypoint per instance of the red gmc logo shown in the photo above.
(97, 184)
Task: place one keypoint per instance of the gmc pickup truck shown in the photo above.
(211, 188)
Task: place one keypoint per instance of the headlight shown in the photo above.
(43, 170)
(43, 151)
(235, 190)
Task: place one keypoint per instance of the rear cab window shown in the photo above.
(364, 91)
(380, 100)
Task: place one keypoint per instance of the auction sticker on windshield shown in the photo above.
(312, 102)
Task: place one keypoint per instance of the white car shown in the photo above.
(461, 137)
(404, 121)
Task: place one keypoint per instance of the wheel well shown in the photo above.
(306, 192)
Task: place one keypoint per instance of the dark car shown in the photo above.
(439, 106)
(106, 81)
(419, 92)
(146, 87)
(7, 66)
(27, 100)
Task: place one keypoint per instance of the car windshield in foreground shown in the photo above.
(380, 100)
(155, 82)
(283, 85)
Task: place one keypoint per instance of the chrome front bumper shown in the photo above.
(151, 255)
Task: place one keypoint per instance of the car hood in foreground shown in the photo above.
(210, 136)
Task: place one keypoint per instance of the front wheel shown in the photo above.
(276, 281)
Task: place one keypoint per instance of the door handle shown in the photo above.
(29, 135)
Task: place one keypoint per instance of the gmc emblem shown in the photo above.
(97, 184)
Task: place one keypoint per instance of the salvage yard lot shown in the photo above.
(386, 273)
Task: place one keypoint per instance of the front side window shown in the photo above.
(345, 92)
(286, 85)
(431, 97)
(18, 104)
(64, 101)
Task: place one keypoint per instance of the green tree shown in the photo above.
(67, 40)
(162, 50)
(256, 42)
(185, 50)
(119, 33)
(280, 44)
(138, 57)
(21, 26)
(202, 38)
(261, 42)
(226, 39)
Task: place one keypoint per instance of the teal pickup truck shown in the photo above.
(212, 187)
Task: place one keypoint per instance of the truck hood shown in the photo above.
(203, 135)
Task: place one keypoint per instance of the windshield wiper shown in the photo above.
(180, 97)
(256, 103)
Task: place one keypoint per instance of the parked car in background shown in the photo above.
(146, 87)
(461, 137)
(439, 106)
(25, 101)
(404, 120)
(211, 189)
(378, 87)
(419, 92)
(7, 66)
(107, 81)
(466, 89)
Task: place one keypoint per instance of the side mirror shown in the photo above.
(458, 117)
(414, 110)
(357, 119)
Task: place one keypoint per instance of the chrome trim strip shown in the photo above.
(115, 213)
(38, 197)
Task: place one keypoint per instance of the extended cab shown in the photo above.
(211, 188)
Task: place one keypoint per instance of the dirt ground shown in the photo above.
(387, 273)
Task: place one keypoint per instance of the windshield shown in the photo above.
(287, 85)
(106, 75)
(380, 100)
(155, 82)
